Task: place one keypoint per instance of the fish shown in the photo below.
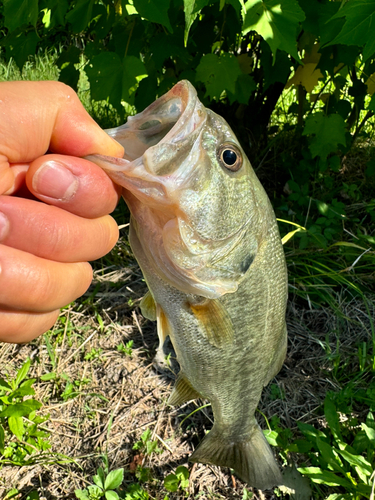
(206, 239)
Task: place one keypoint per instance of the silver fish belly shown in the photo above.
(206, 238)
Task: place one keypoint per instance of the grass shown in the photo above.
(104, 407)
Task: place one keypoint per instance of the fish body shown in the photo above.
(205, 236)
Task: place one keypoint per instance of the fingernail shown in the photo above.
(54, 180)
(4, 226)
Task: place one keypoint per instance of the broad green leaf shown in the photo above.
(192, 8)
(112, 79)
(277, 21)
(332, 417)
(57, 10)
(111, 495)
(171, 482)
(309, 431)
(245, 86)
(133, 72)
(271, 437)
(359, 26)
(24, 389)
(4, 385)
(99, 478)
(320, 476)
(114, 479)
(21, 409)
(329, 456)
(20, 12)
(155, 11)
(218, 73)
(371, 105)
(327, 133)
(16, 426)
(81, 494)
(357, 460)
(105, 76)
(370, 433)
(23, 371)
(81, 15)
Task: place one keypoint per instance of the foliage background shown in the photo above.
(296, 81)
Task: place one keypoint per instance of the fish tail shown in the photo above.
(251, 459)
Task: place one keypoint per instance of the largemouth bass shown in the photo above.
(205, 236)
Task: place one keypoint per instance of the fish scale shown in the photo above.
(205, 236)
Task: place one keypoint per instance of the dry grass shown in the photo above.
(119, 396)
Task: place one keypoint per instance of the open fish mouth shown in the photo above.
(156, 142)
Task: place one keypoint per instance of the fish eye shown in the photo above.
(230, 156)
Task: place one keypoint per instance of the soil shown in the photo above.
(118, 396)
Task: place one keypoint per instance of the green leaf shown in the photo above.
(58, 10)
(357, 460)
(114, 479)
(21, 409)
(319, 476)
(23, 371)
(171, 482)
(4, 385)
(133, 72)
(113, 80)
(24, 389)
(332, 417)
(111, 495)
(155, 11)
(359, 26)
(245, 86)
(329, 456)
(277, 21)
(20, 46)
(16, 426)
(99, 479)
(218, 73)
(2, 439)
(81, 494)
(81, 15)
(20, 12)
(192, 8)
(371, 105)
(105, 76)
(327, 131)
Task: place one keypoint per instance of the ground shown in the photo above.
(102, 396)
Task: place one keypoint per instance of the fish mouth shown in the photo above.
(152, 139)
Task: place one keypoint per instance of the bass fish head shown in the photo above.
(197, 207)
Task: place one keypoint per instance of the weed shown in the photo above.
(21, 438)
(146, 445)
(126, 348)
(178, 480)
(105, 486)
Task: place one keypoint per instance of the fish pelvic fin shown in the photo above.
(251, 459)
(182, 391)
(148, 307)
(215, 322)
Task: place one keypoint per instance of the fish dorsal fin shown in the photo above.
(215, 322)
(183, 391)
(148, 307)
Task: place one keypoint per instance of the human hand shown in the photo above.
(44, 247)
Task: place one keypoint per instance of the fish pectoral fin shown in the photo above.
(214, 321)
(148, 307)
(252, 459)
(183, 391)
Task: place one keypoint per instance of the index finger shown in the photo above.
(41, 116)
